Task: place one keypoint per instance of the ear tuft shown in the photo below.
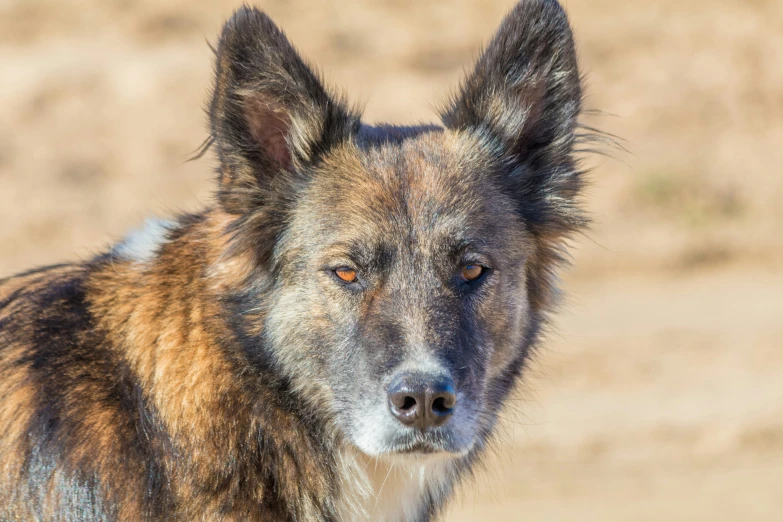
(269, 127)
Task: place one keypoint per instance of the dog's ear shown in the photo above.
(525, 95)
(270, 115)
(525, 89)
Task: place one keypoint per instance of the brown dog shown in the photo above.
(334, 339)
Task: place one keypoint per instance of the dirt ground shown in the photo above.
(659, 396)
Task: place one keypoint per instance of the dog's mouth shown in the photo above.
(427, 444)
(418, 448)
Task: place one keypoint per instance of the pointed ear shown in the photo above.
(525, 89)
(270, 115)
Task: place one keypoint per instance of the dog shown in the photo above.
(335, 337)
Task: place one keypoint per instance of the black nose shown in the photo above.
(422, 400)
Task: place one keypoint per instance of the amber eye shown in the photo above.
(346, 274)
(472, 272)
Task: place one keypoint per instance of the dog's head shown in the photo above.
(405, 271)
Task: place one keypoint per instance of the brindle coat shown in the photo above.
(223, 372)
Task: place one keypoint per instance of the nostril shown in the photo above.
(405, 406)
(440, 406)
(408, 403)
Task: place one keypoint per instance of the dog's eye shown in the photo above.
(346, 274)
(472, 272)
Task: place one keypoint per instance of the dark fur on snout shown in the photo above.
(229, 374)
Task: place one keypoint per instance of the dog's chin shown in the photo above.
(416, 447)
(424, 452)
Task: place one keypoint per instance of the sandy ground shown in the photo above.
(660, 394)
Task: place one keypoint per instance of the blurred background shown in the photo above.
(659, 396)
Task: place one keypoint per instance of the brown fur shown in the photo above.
(148, 313)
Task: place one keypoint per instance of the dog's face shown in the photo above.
(404, 270)
(407, 270)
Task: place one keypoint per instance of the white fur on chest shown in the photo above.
(392, 489)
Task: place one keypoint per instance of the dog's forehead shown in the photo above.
(429, 180)
(432, 191)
